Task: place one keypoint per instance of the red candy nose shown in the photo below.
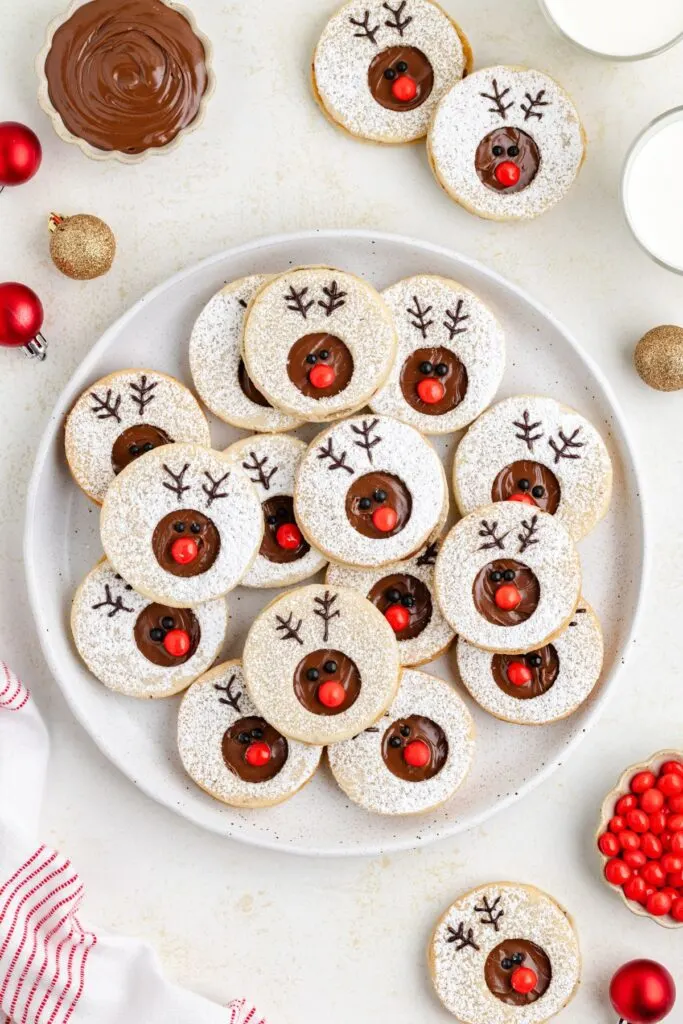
(257, 754)
(177, 643)
(288, 536)
(508, 597)
(526, 499)
(398, 617)
(507, 173)
(184, 550)
(524, 980)
(417, 754)
(519, 674)
(431, 390)
(322, 376)
(332, 694)
(404, 89)
(385, 518)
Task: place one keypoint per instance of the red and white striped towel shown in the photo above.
(54, 970)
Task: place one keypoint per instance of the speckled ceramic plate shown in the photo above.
(62, 543)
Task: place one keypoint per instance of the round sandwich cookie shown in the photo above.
(370, 491)
(544, 685)
(415, 757)
(505, 953)
(182, 524)
(231, 752)
(450, 359)
(123, 416)
(541, 453)
(379, 69)
(318, 342)
(508, 578)
(285, 557)
(321, 664)
(506, 143)
(138, 648)
(404, 593)
(216, 363)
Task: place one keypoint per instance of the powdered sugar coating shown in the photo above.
(359, 768)
(204, 717)
(215, 356)
(497, 439)
(580, 652)
(121, 400)
(105, 637)
(437, 634)
(359, 631)
(453, 318)
(320, 489)
(551, 556)
(282, 455)
(359, 317)
(464, 117)
(141, 496)
(528, 913)
(344, 54)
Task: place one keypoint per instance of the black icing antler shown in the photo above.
(454, 320)
(495, 540)
(336, 461)
(368, 442)
(288, 629)
(178, 486)
(428, 556)
(105, 408)
(529, 107)
(399, 23)
(491, 912)
(296, 301)
(334, 299)
(325, 611)
(365, 31)
(528, 535)
(142, 393)
(115, 603)
(232, 699)
(564, 451)
(211, 490)
(497, 97)
(461, 939)
(257, 466)
(527, 430)
(420, 314)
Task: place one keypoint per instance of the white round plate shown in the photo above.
(62, 543)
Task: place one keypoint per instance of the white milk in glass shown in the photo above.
(653, 196)
(618, 28)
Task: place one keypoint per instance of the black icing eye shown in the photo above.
(134, 449)
(257, 734)
(179, 527)
(509, 575)
(523, 484)
(513, 150)
(496, 576)
(167, 622)
(380, 496)
(394, 742)
(157, 635)
(282, 513)
(243, 737)
(518, 958)
(497, 150)
(147, 446)
(405, 730)
(393, 595)
(408, 601)
(426, 367)
(323, 354)
(390, 74)
(271, 520)
(441, 369)
(330, 666)
(311, 358)
(364, 504)
(535, 660)
(196, 528)
(507, 964)
(538, 491)
(402, 67)
(313, 674)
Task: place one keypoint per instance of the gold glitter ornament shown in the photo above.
(658, 358)
(82, 246)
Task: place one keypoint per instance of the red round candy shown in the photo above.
(658, 822)
(634, 889)
(670, 863)
(665, 840)
(608, 844)
(670, 891)
(677, 910)
(617, 872)
(626, 803)
(671, 784)
(675, 822)
(653, 873)
(385, 518)
(519, 674)
(629, 840)
(671, 768)
(651, 846)
(635, 859)
(177, 643)
(676, 842)
(652, 800)
(676, 804)
(507, 174)
(522, 496)
(675, 879)
(658, 904)
(322, 376)
(257, 754)
(431, 390)
(332, 694)
(398, 617)
(523, 980)
(288, 536)
(617, 823)
(404, 89)
(417, 754)
(642, 781)
(508, 597)
(184, 550)
(638, 820)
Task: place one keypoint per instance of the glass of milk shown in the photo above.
(618, 29)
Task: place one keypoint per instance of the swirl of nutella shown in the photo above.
(126, 75)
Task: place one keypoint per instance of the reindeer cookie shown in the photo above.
(123, 416)
(379, 69)
(231, 752)
(415, 757)
(508, 578)
(182, 525)
(505, 953)
(321, 664)
(451, 355)
(538, 452)
(285, 557)
(506, 143)
(216, 363)
(141, 649)
(318, 342)
(404, 593)
(370, 491)
(544, 685)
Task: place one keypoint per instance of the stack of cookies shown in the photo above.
(332, 664)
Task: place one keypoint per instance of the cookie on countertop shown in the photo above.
(141, 649)
(404, 593)
(543, 686)
(415, 757)
(370, 491)
(450, 359)
(231, 752)
(508, 578)
(318, 342)
(182, 524)
(216, 363)
(535, 450)
(379, 69)
(505, 953)
(506, 143)
(321, 664)
(285, 557)
(123, 416)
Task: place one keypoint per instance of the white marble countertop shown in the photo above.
(327, 940)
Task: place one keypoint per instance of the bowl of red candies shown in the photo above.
(641, 838)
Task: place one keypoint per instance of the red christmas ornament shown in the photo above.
(20, 153)
(21, 318)
(642, 992)
(322, 376)
(417, 754)
(431, 390)
(288, 536)
(177, 643)
(507, 174)
(404, 89)
(524, 980)
(184, 550)
(508, 597)
(398, 617)
(331, 694)
(519, 674)
(385, 518)
(257, 754)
